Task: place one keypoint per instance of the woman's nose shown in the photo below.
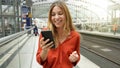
(56, 16)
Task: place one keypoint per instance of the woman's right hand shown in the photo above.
(45, 48)
(44, 45)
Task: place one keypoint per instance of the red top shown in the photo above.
(58, 57)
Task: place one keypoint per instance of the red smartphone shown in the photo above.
(48, 35)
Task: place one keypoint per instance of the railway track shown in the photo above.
(95, 44)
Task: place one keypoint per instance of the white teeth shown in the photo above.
(58, 21)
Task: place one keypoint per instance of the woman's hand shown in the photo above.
(44, 45)
(45, 48)
(73, 57)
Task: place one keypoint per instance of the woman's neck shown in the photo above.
(60, 31)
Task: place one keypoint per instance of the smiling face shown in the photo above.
(58, 17)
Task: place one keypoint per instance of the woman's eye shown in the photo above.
(53, 14)
(60, 13)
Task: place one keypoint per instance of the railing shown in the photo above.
(10, 47)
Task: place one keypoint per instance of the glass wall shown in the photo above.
(9, 17)
(91, 15)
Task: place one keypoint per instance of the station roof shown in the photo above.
(97, 9)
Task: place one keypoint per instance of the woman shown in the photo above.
(66, 53)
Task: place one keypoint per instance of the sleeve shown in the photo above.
(77, 49)
(38, 58)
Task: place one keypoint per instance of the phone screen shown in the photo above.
(48, 35)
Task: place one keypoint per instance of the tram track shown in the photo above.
(86, 44)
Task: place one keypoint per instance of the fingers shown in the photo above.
(44, 44)
(47, 46)
(73, 57)
(75, 54)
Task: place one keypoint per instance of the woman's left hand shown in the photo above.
(73, 57)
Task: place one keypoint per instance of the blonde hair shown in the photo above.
(68, 24)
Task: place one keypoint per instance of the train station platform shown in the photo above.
(84, 62)
(24, 56)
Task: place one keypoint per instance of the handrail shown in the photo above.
(13, 36)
